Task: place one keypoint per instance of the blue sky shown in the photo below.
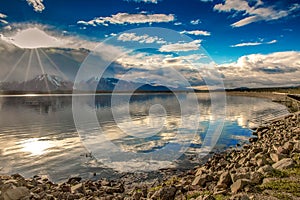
(228, 29)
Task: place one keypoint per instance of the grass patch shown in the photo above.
(277, 174)
(153, 189)
(283, 186)
(194, 195)
(221, 197)
(197, 194)
(169, 182)
(282, 196)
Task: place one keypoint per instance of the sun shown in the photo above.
(33, 42)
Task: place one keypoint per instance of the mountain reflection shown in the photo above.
(43, 127)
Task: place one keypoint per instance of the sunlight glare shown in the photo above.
(36, 147)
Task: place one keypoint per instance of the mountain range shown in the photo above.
(50, 83)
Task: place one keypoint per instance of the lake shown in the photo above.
(38, 134)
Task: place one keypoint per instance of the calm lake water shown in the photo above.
(38, 135)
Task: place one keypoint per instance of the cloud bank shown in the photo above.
(196, 32)
(126, 18)
(244, 44)
(263, 70)
(254, 13)
(176, 47)
(126, 37)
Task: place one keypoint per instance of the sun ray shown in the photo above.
(54, 65)
(14, 67)
(42, 68)
(28, 65)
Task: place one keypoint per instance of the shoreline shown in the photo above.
(246, 173)
(267, 168)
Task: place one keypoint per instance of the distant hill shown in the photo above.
(268, 89)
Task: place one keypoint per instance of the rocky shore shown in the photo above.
(266, 168)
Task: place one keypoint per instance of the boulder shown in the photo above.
(225, 178)
(202, 179)
(236, 176)
(76, 187)
(288, 146)
(165, 193)
(261, 162)
(265, 170)
(282, 150)
(276, 157)
(15, 193)
(285, 163)
(296, 147)
(256, 177)
(239, 185)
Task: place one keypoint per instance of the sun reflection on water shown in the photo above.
(36, 146)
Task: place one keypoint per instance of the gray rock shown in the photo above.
(276, 157)
(256, 177)
(225, 178)
(236, 176)
(15, 193)
(239, 185)
(202, 179)
(288, 146)
(240, 197)
(261, 162)
(76, 187)
(285, 163)
(267, 169)
(165, 193)
(112, 190)
(281, 150)
(296, 148)
(200, 171)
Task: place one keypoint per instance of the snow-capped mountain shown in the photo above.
(109, 84)
(52, 83)
(41, 83)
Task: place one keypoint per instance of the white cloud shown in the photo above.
(37, 5)
(175, 47)
(196, 32)
(177, 23)
(155, 68)
(255, 13)
(144, 1)
(2, 15)
(272, 42)
(2, 21)
(245, 21)
(126, 37)
(246, 44)
(253, 43)
(157, 61)
(261, 70)
(195, 22)
(33, 38)
(126, 18)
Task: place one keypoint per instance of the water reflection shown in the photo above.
(36, 146)
(38, 136)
